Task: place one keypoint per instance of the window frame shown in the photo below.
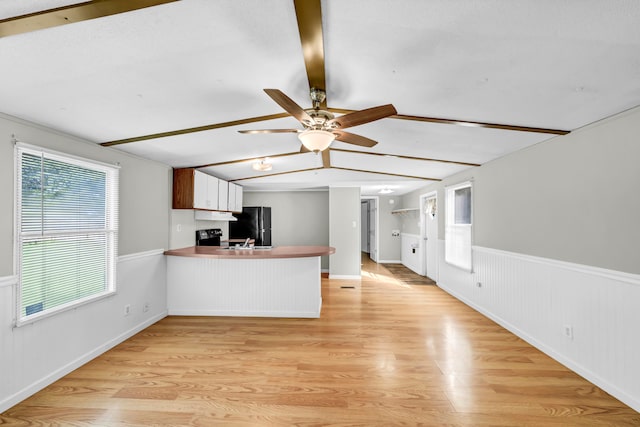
(110, 230)
(453, 230)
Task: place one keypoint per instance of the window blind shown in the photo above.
(67, 231)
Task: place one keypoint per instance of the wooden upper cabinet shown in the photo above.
(193, 189)
(183, 188)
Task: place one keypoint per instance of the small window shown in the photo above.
(458, 225)
(462, 208)
(67, 228)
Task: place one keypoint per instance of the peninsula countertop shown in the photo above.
(253, 253)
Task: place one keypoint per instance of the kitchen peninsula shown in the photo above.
(282, 281)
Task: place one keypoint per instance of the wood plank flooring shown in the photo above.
(407, 276)
(383, 353)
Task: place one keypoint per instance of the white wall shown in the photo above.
(344, 233)
(297, 217)
(184, 225)
(35, 355)
(556, 243)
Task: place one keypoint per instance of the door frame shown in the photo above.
(423, 230)
(376, 227)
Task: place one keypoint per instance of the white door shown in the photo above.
(430, 238)
(373, 244)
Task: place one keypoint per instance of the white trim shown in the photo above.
(33, 388)
(423, 231)
(390, 261)
(604, 384)
(377, 226)
(243, 313)
(345, 276)
(8, 281)
(35, 149)
(138, 255)
(620, 276)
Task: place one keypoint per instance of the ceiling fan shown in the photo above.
(321, 127)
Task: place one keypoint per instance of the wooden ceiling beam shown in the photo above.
(275, 174)
(247, 160)
(464, 123)
(387, 173)
(399, 156)
(71, 14)
(196, 129)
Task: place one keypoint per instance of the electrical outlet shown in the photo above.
(127, 310)
(145, 307)
(479, 284)
(568, 331)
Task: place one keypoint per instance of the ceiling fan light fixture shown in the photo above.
(385, 190)
(316, 140)
(262, 165)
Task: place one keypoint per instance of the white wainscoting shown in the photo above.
(410, 251)
(35, 355)
(537, 298)
(272, 287)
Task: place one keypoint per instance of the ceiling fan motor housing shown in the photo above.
(320, 118)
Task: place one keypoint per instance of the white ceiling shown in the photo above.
(551, 64)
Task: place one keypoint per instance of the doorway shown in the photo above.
(429, 235)
(369, 226)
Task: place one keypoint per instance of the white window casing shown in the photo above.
(459, 225)
(66, 231)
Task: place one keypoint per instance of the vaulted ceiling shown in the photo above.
(174, 81)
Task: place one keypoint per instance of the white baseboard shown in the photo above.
(345, 276)
(390, 261)
(18, 397)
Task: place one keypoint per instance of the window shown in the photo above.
(458, 225)
(67, 230)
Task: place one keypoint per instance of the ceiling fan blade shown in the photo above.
(326, 158)
(352, 138)
(270, 131)
(309, 16)
(289, 106)
(363, 116)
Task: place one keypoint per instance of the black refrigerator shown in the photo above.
(254, 222)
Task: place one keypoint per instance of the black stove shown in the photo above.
(209, 237)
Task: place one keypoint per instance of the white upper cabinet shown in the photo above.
(223, 195)
(235, 197)
(238, 199)
(200, 190)
(232, 197)
(205, 191)
(212, 192)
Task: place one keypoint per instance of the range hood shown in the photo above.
(215, 216)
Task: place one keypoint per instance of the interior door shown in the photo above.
(430, 239)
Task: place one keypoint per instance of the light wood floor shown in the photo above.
(382, 354)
